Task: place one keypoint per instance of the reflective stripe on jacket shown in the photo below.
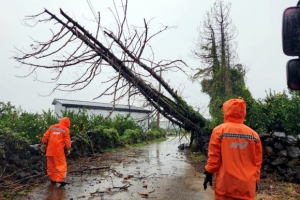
(58, 137)
(235, 153)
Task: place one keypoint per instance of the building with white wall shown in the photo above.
(103, 109)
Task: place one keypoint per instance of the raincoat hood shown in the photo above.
(65, 122)
(234, 110)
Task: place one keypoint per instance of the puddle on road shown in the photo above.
(156, 171)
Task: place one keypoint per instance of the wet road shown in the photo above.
(156, 171)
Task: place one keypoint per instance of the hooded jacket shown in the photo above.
(58, 138)
(235, 154)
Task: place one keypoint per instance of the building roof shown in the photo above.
(98, 106)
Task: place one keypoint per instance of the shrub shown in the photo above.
(121, 123)
(153, 134)
(277, 112)
(131, 136)
(79, 121)
(107, 138)
(32, 126)
(13, 141)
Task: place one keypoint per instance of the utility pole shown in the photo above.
(159, 90)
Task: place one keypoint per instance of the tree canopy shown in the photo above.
(222, 77)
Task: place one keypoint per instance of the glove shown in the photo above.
(44, 147)
(208, 178)
(67, 152)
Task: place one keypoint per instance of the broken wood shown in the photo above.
(146, 194)
(88, 168)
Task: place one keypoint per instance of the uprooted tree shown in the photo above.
(134, 78)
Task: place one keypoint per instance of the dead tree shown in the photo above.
(134, 74)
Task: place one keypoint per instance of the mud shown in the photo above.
(156, 171)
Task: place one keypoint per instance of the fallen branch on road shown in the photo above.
(88, 168)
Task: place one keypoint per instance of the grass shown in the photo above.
(197, 157)
(279, 190)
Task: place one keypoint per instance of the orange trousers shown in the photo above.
(56, 168)
(222, 197)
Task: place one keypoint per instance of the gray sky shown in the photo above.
(258, 23)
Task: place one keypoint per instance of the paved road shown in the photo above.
(157, 171)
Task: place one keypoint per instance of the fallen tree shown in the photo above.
(134, 78)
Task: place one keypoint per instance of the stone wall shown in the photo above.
(281, 155)
(23, 162)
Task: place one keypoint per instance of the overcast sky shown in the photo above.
(258, 23)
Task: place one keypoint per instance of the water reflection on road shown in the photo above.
(156, 171)
(54, 192)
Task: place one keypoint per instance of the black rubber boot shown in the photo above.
(63, 183)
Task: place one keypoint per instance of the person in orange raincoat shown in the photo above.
(234, 155)
(57, 138)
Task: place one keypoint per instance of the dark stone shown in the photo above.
(39, 168)
(35, 172)
(291, 140)
(266, 161)
(268, 141)
(35, 149)
(268, 168)
(36, 159)
(279, 161)
(279, 136)
(293, 151)
(14, 159)
(22, 154)
(292, 171)
(23, 163)
(263, 136)
(293, 162)
(22, 175)
(181, 146)
(268, 151)
(281, 170)
(278, 146)
(282, 153)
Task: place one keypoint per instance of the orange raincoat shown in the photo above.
(234, 154)
(58, 138)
